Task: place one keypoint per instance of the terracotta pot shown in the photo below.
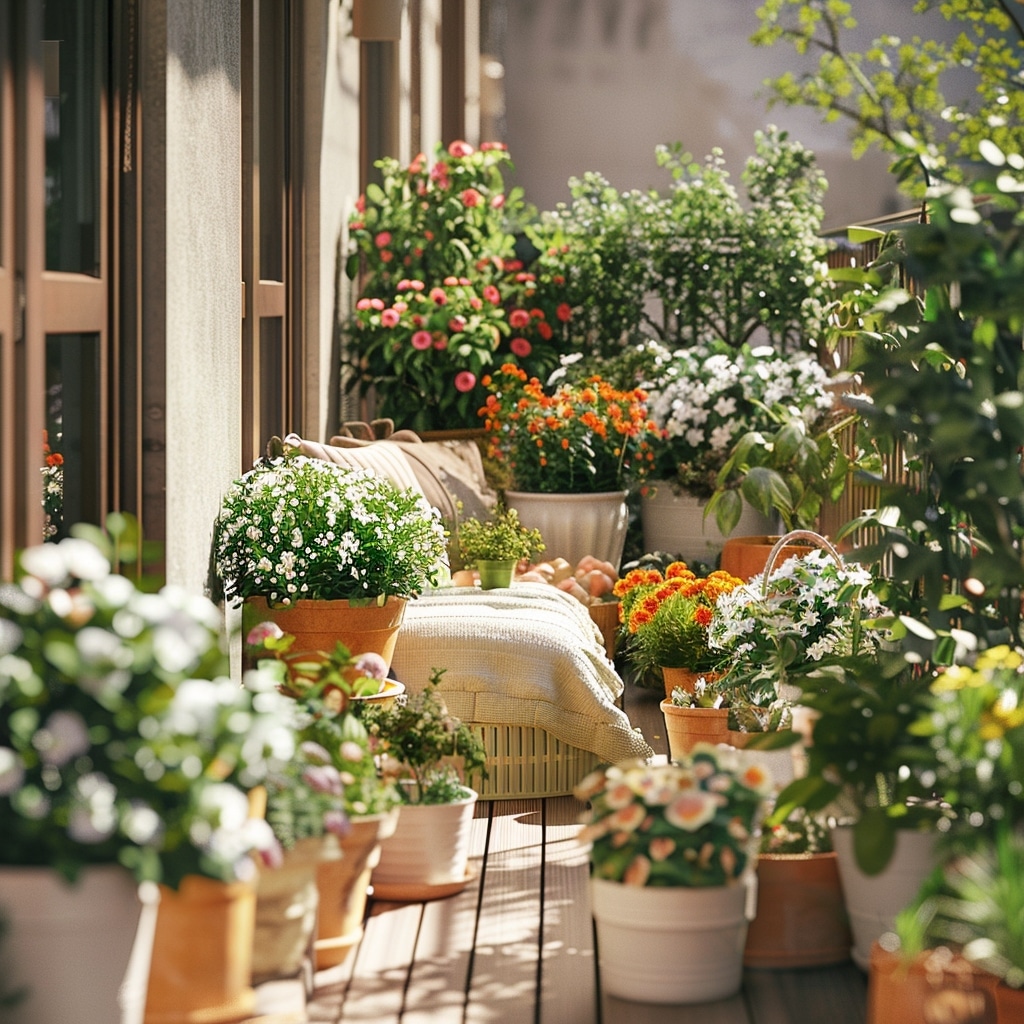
(575, 525)
(343, 886)
(745, 557)
(1009, 1004)
(684, 678)
(202, 953)
(286, 910)
(933, 986)
(319, 625)
(801, 919)
(606, 615)
(687, 727)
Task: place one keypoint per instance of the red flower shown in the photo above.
(438, 296)
(416, 167)
(492, 295)
(520, 347)
(382, 239)
(422, 340)
(564, 311)
(460, 149)
(470, 197)
(465, 381)
(519, 318)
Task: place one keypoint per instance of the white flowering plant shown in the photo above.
(812, 612)
(122, 738)
(298, 527)
(704, 399)
(693, 823)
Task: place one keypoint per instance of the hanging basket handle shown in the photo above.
(808, 536)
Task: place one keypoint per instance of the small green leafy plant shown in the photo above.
(499, 538)
(416, 735)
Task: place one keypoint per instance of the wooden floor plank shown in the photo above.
(568, 973)
(503, 985)
(834, 994)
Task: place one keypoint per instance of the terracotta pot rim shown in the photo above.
(820, 855)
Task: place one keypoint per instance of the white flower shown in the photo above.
(63, 737)
(12, 772)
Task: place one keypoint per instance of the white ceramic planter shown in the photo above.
(429, 848)
(669, 945)
(873, 901)
(675, 523)
(80, 953)
(575, 525)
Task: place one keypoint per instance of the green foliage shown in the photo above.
(418, 732)
(928, 102)
(944, 378)
(865, 763)
(496, 539)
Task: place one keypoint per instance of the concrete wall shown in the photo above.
(595, 85)
(203, 275)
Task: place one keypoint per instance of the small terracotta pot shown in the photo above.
(687, 727)
(801, 919)
(745, 557)
(684, 679)
(937, 985)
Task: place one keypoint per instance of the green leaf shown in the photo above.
(874, 840)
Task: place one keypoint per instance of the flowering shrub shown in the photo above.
(813, 612)
(417, 734)
(443, 296)
(297, 527)
(122, 739)
(666, 618)
(578, 438)
(334, 740)
(691, 824)
(705, 398)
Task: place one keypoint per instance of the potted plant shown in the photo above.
(665, 620)
(496, 545)
(573, 451)
(705, 400)
(800, 919)
(305, 808)
(324, 693)
(328, 553)
(671, 847)
(416, 741)
(127, 754)
(444, 294)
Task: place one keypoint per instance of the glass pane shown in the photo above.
(71, 444)
(272, 380)
(74, 65)
(273, 141)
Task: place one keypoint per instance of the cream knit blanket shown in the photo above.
(528, 656)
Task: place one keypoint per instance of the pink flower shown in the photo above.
(485, 146)
(465, 381)
(471, 197)
(456, 324)
(361, 204)
(450, 282)
(439, 296)
(364, 304)
(417, 165)
(382, 239)
(404, 285)
(519, 318)
(440, 342)
(497, 202)
(377, 304)
(263, 631)
(460, 149)
(520, 347)
(492, 295)
(390, 318)
(421, 340)
(439, 174)
(372, 665)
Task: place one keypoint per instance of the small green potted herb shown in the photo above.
(495, 546)
(418, 741)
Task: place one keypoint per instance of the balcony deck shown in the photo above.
(517, 944)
